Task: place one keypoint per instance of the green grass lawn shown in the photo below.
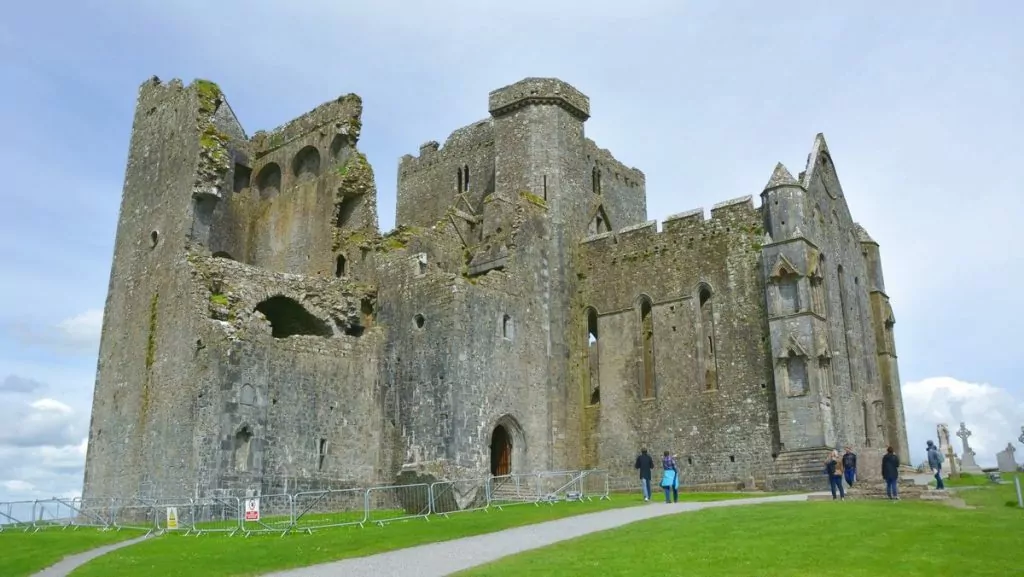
(221, 556)
(24, 553)
(853, 539)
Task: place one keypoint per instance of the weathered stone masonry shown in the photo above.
(260, 334)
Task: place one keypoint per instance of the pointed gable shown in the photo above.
(782, 267)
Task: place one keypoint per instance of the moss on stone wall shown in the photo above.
(219, 299)
(151, 339)
(533, 199)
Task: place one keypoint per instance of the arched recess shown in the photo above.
(247, 395)
(287, 317)
(646, 308)
(507, 447)
(268, 182)
(592, 356)
(708, 344)
(223, 254)
(306, 163)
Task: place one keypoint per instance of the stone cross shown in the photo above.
(963, 433)
(1021, 437)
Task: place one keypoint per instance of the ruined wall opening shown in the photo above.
(595, 180)
(419, 320)
(268, 183)
(465, 177)
(593, 359)
(647, 347)
(306, 163)
(340, 147)
(241, 446)
(339, 266)
(458, 181)
(242, 178)
(845, 318)
(506, 327)
(355, 330)
(708, 357)
(223, 254)
(346, 209)
(287, 318)
(154, 239)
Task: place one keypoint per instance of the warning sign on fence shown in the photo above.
(172, 518)
(252, 509)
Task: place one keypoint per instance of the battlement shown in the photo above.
(738, 214)
(470, 137)
(345, 112)
(539, 91)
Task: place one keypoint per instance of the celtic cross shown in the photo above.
(963, 433)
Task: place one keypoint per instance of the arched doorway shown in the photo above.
(501, 451)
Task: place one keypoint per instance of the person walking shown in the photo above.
(935, 460)
(891, 474)
(850, 466)
(834, 470)
(670, 477)
(644, 464)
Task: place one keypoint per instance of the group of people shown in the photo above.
(669, 476)
(845, 468)
(838, 468)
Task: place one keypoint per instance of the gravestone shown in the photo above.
(967, 463)
(1005, 460)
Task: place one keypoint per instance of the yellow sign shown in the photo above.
(172, 518)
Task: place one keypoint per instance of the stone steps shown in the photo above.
(907, 491)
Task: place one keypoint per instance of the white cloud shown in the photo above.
(79, 333)
(51, 405)
(994, 415)
(83, 328)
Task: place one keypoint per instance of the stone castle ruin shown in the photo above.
(524, 315)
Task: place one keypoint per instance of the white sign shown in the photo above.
(172, 518)
(252, 509)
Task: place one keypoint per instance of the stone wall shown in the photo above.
(709, 397)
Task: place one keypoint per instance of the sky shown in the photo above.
(920, 103)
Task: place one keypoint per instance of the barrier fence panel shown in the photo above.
(216, 515)
(17, 515)
(397, 502)
(596, 485)
(267, 514)
(64, 513)
(321, 509)
(560, 486)
(458, 496)
(135, 513)
(514, 489)
(176, 515)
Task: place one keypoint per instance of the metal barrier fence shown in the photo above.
(305, 511)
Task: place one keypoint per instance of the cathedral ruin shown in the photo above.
(524, 315)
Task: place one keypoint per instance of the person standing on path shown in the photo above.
(850, 466)
(935, 460)
(644, 464)
(670, 477)
(891, 474)
(834, 470)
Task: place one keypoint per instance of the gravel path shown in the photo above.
(447, 557)
(68, 564)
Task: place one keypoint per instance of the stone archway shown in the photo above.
(507, 447)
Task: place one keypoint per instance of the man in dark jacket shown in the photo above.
(850, 466)
(891, 474)
(644, 463)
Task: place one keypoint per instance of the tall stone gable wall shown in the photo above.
(722, 430)
(261, 335)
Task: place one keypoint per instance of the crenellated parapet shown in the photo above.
(539, 91)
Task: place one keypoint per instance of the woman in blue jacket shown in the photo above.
(670, 479)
